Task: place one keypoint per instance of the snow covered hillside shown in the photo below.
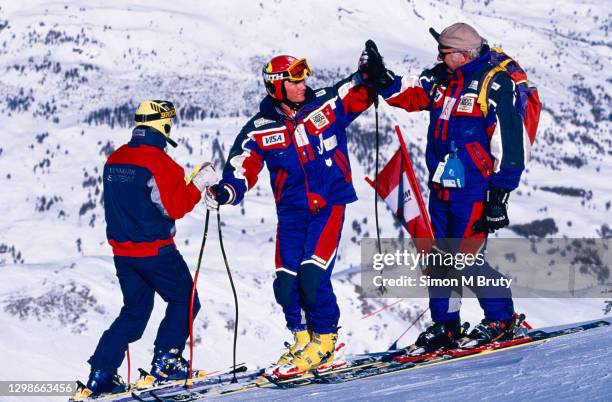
(74, 71)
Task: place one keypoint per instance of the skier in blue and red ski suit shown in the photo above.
(492, 153)
(144, 193)
(300, 135)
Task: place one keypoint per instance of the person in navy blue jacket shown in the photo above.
(145, 191)
(300, 135)
(474, 162)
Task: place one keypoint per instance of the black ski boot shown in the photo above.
(441, 335)
(169, 365)
(489, 331)
(104, 382)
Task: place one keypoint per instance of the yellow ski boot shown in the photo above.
(300, 340)
(319, 350)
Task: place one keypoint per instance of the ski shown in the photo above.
(204, 392)
(159, 391)
(465, 346)
(357, 367)
(146, 384)
(383, 364)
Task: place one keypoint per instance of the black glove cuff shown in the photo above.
(387, 79)
(497, 196)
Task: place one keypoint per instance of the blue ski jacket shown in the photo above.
(493, 150)
(306, 154)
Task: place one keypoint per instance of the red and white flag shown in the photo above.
(397, 185)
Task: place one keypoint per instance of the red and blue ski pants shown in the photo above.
(306, 246)
(452, 222)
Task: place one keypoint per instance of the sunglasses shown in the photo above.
(442, 55)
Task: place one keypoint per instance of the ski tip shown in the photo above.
(146, 380)
(271, 377)
(240, 368)
(261, 381)
(82, 393)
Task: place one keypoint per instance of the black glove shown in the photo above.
(372, 67)
(216, 195)
(495, 211)
(439, 73)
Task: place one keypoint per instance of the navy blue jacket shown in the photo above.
(144, 193)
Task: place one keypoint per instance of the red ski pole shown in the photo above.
(189, 380)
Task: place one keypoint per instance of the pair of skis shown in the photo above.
(357, 367)
(396, 361)
(146, 384)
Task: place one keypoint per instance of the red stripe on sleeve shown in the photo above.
(412, 99)
(358, 99)
(252, 166)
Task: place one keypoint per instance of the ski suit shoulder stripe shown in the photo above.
(329, 102)
(354, 96)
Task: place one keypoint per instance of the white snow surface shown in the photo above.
(61, 61)
(568, 368)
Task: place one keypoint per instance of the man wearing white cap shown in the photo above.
(474, 161)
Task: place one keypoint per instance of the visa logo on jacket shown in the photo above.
(273, 139)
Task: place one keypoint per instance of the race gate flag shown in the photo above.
(397, 185)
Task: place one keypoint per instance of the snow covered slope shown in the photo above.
(73, 71)
(569, 368)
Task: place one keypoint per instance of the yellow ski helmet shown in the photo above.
(157, 114)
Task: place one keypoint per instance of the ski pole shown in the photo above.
(376, 172)
(188, 380)
(127, 354)
(370, 45)
(394, 344)
(382, 288)
(383, 308)
(229, 275)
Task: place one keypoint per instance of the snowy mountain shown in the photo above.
(73, 72)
